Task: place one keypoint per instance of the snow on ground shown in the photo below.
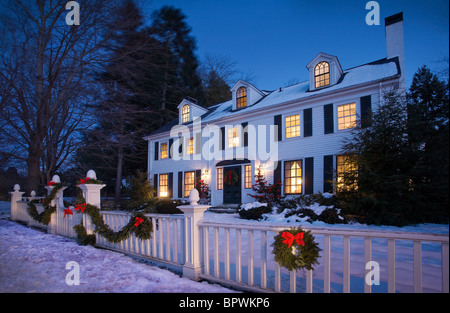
(43, 258)
(33, 261)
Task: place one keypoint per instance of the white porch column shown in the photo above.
(193, 213)
(91, 193)
(16, 195)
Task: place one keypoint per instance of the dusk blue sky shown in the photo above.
(272, 41)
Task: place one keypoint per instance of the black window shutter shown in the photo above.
(309, 176)
(327, 173)
(198, 176)
(277, 122)
(156, 150)
(222, 141)
(277, 172)
(198, 143)
(170, 185)
(155, 181)
(170, 154)
(328, 118)
(180, 184)
(180, 147)
(307, 122)
(366, 111)
(245, 134)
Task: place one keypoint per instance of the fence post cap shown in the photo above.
(33, 193)
(91, 174)
(16, 187)
(56, 179)
(194, 197)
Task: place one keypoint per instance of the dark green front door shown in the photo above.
(232, 185)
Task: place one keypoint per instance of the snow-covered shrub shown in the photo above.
(253, 210)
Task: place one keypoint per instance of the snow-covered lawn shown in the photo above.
(33, 261)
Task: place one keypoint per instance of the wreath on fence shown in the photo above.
(45, 216)
(296, 249)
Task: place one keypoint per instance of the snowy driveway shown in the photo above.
(33, 261)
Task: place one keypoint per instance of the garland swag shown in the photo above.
(45, 216)
(296, 249)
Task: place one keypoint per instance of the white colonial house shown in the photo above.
(294, 134)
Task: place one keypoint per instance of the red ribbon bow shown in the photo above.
(68, 211)
(82, 181)
(289, 238)
(51, 183)
(81, 206)
(139, 221)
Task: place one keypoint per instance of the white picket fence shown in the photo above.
(240, 255)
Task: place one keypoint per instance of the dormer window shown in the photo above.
(185, 112)
(322, 74)
(241, 97)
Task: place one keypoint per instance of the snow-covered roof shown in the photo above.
(370, 72)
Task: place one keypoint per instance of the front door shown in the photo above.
(232, 185)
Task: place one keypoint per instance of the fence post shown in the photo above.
(91, 193)
(193, 213)
(59, 203)
(16, 195)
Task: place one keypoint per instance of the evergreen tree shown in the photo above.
(428, 120)
(179, 64)
(382, 193)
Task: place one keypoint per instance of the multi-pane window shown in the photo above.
(164, 151)
(247, 176)
(163, 185)
(189, 182)
(346, 116)
(190, 146)
(293, 177)
(292, 126)
(322, 74)
(241, 97)
(220, 178)
(233, 137)
(346, 172)
(185, 112)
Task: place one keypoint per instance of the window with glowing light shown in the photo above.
(346, 172)
(292, 124)
(293, 177)
(241, 97)
(164, 151)
(346, 116)
(322, 74)
(220, 178)
(233, 137)
(185, 112)
(248, 177)
(163, 185)
(189, 182)
(190, 147)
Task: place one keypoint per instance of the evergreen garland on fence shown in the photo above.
(45, 216)
(296, 249)
(138, 224)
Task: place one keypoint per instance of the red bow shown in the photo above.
(139, 221)
(51, 183)
(289, 238)
(81, 206)
(82, 181)
(68, 211)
